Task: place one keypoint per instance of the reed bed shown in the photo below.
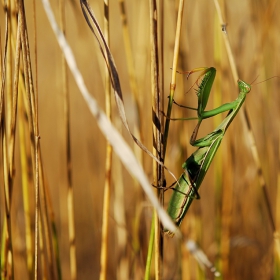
(58, 214)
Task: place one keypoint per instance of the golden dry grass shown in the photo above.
(230, 222)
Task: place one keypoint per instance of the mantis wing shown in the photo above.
(195, 168)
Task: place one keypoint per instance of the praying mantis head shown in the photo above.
(243, 86)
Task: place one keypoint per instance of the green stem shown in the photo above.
(150, 249)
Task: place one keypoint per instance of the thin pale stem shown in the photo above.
(108, 166)
(33, 118)
(155, 227)
(7, 232)
(70, 198)
(150, 250)
(173, 75)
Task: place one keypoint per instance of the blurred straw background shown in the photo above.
(230, 222)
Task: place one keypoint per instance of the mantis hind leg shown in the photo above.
(192, 187)
(197, 196)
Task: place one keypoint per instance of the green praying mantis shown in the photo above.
(197, 165)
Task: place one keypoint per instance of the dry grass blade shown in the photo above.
(67, 151)
(157, 108)
(201, 257)
(108, 163)
(33, 122)
(6, 238)
(119, 145)
(230, 220)
(174, 69)
(3, 72)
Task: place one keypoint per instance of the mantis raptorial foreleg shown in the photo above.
(203, 93)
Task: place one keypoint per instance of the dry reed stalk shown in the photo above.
(7, 257)
(42, 232)
(223, 162)
(48, 238)
(18, 82)
(173, 75)
(46, 213)
(277, 221)
(11, 122)
(7, 245)
(157, 135)
(108, 165)
(67, 145)
(26, 182)
(277, 210)
(26, 170)
(33, 116)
